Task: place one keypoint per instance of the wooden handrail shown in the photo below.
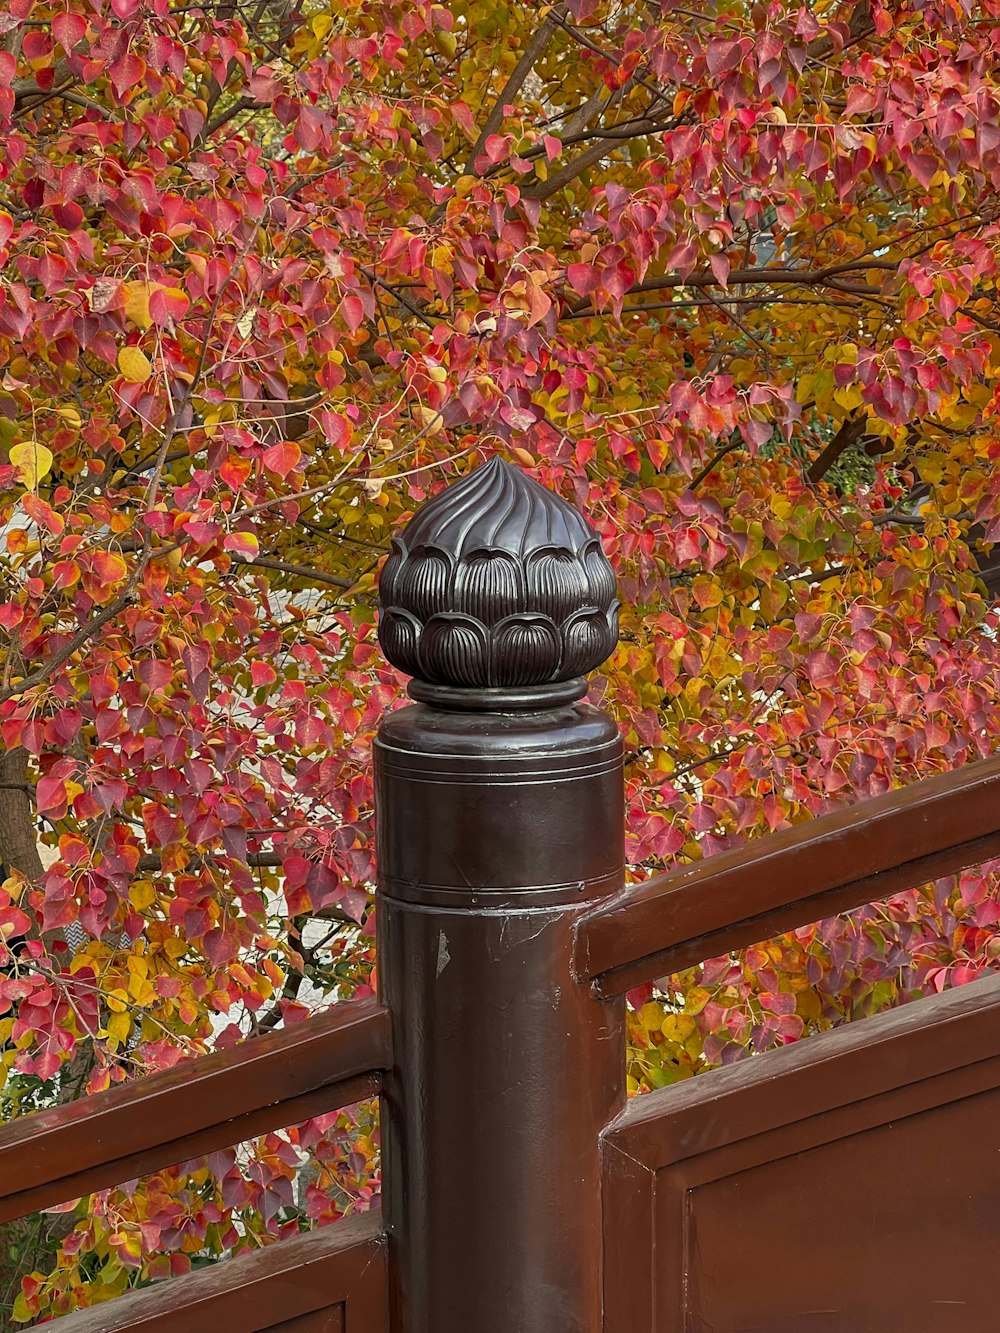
(196, 1107)
(933, 828)
(330, 1279)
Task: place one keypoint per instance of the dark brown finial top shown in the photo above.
(497, 584)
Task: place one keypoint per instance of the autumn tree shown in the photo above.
(270, 274)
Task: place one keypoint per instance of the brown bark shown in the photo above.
(20, 1240)
(18, 845)
(848, 434)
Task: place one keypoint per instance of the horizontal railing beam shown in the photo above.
(339, 1270)
(197, 1107)
(840, 861)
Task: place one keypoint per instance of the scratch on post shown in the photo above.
(520, 928)
(444, 957)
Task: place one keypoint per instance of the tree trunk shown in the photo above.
(22, 1242)
(18, 845)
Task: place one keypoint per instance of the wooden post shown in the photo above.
(500, 820)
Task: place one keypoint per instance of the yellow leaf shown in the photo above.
(848, 397)
(430, 418)
(142, 991)
(141, 894)
(696, 999)
(135, 365)
(119, 1027)
(70, 415)
(678, 1027)
(32, 461)
(137, 304)
(846, 354)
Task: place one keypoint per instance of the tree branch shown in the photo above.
(299, 571)
(713, 463)
(745, 277)
(539, 41)
(850, 431)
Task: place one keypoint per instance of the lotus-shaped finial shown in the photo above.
(497, 583)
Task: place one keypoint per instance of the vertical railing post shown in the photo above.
(500, 820)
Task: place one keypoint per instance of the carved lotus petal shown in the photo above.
(600, 576)
(399, 634)
(423, 583)
(527, 650)
(589, 637)
(455, 650)
(557, 583)
(489, 585)
(388, 581)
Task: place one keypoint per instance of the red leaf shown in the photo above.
(583, 278)
(822, 668)
(262, 673)
(353, 312)
(127, 71)
(234, 471)
(639, 996)
(722, 56)
(336, 427)
(242, 543)
(68, 29)
(13, 922)
(282, 457)
(167, 305)
(756, 433)
(51, 798)
(156, 675)
(719, 265)
(497, 147)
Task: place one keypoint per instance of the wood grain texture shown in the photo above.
(327, 1281)
(847, 1184)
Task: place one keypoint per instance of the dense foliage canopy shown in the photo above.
(270, 274)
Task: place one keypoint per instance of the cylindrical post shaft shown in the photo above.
(496, 831)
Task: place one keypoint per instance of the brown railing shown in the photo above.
(799, 875)
(817, 1187)
(327, 1281)
(196, 1107)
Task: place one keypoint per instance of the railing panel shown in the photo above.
(327, 1281)
(196, 1107)
(330, 1320)
(933, 828)
(847, 1183)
